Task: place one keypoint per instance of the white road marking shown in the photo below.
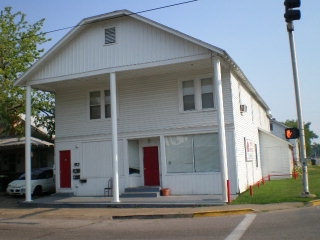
(242, 227)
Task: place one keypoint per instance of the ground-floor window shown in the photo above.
(192, 153)
(133, 155)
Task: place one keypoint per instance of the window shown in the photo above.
(110, 35)
(100, 104)
(107, 104)
(95, 105)
(133, 154)
(192, 153)
(188, 95)
(207, 93)
(197, 94)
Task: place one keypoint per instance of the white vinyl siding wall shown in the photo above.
(246, 127)
(148, 106)
(275, 154)
(137, 43)
(145, 104)
(95, 164)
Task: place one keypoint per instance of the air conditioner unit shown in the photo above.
(243, 108)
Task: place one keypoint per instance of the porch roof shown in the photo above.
(15, 142)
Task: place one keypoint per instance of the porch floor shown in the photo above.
(60, 200)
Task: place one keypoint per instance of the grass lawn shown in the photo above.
(284, 190)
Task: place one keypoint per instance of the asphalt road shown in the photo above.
(293, 224)
(276, 222)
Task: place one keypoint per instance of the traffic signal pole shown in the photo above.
(302, 149)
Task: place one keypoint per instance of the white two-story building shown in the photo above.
(149, 106)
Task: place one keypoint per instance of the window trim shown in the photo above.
(102, 104)
(197, 94)
(193, 172)
(89, 102)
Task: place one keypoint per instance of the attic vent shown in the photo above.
(110, 35)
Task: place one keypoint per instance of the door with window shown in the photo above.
(151, 166)
(65, 169)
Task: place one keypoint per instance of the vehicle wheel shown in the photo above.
(37, 191)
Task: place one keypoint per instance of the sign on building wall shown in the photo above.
(250, 150)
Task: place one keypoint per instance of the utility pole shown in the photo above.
(290, 15)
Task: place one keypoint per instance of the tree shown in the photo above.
(315, 150)
(19, 42)
(309, 135)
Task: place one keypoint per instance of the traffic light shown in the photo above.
(292, 14)
(292, 133)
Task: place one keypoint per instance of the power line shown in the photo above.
(134, 13)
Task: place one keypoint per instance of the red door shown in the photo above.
(151, 166)
(65, 169)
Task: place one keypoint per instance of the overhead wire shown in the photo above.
(133, 13)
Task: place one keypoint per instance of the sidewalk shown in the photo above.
(69, 201)
(63, 206)
(66, 206)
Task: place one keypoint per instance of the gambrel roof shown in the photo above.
(34, 78)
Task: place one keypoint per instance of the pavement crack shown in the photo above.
(37, 213)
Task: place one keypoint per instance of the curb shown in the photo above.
(186, 215)
(223, 212)
(155, 216)
(115, 205)
(314, 203)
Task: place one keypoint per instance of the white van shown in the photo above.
(42, 181)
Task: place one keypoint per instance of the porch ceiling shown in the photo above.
(192, 67)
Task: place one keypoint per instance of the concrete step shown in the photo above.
(140, 195)
(143, 189)
(141, 192)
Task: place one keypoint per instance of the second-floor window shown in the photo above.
(188, 95)
(100, 104)
(107, 104)
(95, 105)
(207, 93)
(197, 94)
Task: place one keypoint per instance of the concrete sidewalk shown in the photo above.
(69, 201)
(71, 207)
(64, 206)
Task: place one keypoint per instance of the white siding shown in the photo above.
(246, 127)
(193, 183)
(137, 43)
(276, 156)
(145, 105)
(148, 106)
(95, 166)
(278, 129)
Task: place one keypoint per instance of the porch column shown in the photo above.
(222, 132)
(28, 144)
(113, 93)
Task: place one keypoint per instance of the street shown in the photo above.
(297, 223)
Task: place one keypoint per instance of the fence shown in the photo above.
(262, 181)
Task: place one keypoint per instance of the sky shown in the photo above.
(252, 32)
